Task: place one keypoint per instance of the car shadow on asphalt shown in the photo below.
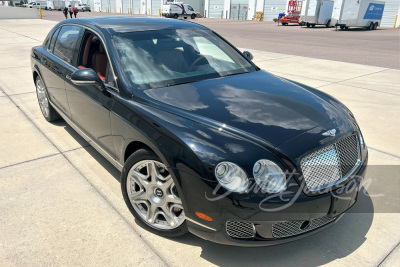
(337, 241)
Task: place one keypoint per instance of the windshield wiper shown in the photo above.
(173, 84)
(234, 74)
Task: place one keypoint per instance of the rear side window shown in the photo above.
(66, 42)
(53, 40)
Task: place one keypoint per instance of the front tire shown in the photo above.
(193, 16)
(151, 195)
(49, 113)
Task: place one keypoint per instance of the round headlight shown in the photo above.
(231, 176)
(269, 176)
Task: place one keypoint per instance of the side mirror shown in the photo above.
(84, 77)
(248, 55)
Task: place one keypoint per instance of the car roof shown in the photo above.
(123, 24)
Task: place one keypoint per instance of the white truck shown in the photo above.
(357, 13)
(316, 12)
(82, 7)
(43, 5)
(178, 9)
(55, 5)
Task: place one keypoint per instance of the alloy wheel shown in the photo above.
(42, 97)
(153, 195)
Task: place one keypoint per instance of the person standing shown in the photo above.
(65, 11)
(75, 11)
(70, 11)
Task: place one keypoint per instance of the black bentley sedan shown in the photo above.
(206, 142)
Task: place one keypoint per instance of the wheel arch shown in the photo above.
(36, 73)
(134, 146)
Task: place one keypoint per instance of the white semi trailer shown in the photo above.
(357, 13)
(316, 12)
(56, 5)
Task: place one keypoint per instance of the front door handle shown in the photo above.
(44, 60)
(68, 77)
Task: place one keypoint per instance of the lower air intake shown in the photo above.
(292, 228)
(240, 229)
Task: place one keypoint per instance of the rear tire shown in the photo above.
(375, 25)
(313, 25)
(308, 25)
(176, 16)
(371, 26)
(48, 112)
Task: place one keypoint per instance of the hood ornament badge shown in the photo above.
(330, 133)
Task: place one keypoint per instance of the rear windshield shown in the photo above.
(155, 59)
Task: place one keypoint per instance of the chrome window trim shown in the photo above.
(102, 40)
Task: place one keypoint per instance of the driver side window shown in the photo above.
(93, 55)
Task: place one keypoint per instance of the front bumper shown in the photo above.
(311, 214)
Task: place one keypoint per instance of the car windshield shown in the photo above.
(154, 59)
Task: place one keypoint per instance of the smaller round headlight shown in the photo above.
(231, 176)
(269, 176)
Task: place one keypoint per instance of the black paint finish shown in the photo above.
(192, 127)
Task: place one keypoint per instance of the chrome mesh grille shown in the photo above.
(330, 164)
(240, 229)
(348, 149)
(292, 228)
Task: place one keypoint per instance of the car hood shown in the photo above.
(258, 104)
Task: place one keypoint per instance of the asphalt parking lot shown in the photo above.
(375, 48)
(60, 201)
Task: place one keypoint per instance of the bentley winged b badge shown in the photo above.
(330, 133)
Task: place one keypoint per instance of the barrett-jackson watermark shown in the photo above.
(289, 196)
